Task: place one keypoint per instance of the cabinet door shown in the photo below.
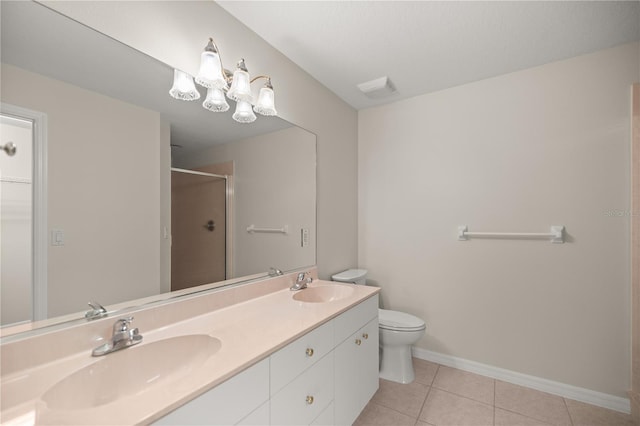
(370, 365)
(356, 373)
(227, 403)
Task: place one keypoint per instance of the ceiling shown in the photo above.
(426, 46)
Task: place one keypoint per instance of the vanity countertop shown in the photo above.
(249, 331)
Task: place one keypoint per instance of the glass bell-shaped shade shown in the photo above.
(266, 102)
(183, 87)
(244, 113)
(240, 89)
(210, 74)
(215, 101)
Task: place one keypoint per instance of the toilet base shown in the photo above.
(396, 364)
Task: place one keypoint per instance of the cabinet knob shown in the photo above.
(309, 351)
(365, 335)
(358, 342)
(309, 399)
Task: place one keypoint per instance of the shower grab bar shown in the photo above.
(556, 234)
(253, 229)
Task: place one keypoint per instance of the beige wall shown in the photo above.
(99, 150)
(516, 153)
(176, 32)
(273, 179)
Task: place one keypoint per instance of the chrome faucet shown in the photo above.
(123, 337)
(96, 311)
(275, 272)
(302, 281)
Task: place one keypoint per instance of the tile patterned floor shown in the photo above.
(444, 396)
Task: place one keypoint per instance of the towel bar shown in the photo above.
(556, 234)
(253, 229)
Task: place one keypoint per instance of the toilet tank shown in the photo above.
(355, 276)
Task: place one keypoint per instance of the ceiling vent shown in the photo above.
(378, 88)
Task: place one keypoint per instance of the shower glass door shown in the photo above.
(198, 228)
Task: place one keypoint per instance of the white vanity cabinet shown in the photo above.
(230, 403)
(353, 379)
(325, 377)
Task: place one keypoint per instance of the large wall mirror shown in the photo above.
(139, 195)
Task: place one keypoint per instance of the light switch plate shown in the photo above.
(57, 237)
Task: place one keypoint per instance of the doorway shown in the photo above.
(199, 205)
(23, 218)
(16, 212)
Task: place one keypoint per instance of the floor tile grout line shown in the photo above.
(462, 396)
(547, 423)
(494, 402)
(465, 396)
(417, 417)
(428, 392)
(397, 411)
(564, 401)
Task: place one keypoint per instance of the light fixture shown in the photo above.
(211, 74)
(240, 89)
(244, 113)
(219, 80)
(215, 101)
(183, 87)
(265, 104)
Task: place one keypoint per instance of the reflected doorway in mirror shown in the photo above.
(23, 233)
(199, 230)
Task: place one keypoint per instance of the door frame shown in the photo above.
(634, 393)
(39, 197)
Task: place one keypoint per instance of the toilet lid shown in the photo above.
(394, 320)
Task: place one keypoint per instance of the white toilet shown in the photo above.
(398, 332)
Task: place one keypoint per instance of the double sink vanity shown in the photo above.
(257, 353)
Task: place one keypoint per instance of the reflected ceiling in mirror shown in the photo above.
(109, 165)
(43, 41)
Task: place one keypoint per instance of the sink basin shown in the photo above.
(131, 371)
(323, 293)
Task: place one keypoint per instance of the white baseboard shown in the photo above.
(600, 399)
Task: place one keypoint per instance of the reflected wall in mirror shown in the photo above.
(112, 135)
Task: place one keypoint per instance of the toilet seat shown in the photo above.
(399, 321)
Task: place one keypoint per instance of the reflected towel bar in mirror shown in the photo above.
(253, 229)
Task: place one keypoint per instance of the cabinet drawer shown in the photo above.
(304, 399)
(325, 418)
(296, 357)
(259, 417)
(349, 322)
